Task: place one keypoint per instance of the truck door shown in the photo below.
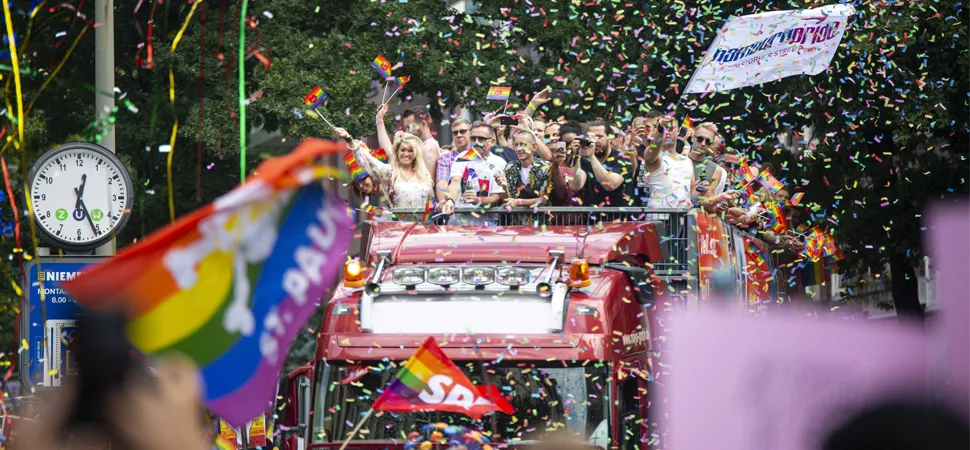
(296, 415)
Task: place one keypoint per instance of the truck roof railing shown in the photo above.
(674, 226)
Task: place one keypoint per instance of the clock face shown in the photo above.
(81, 193)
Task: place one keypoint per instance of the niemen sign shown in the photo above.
(61, 313)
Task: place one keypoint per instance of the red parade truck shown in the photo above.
(560, 308)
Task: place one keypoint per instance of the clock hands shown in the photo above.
(80, 203)
(80, 190)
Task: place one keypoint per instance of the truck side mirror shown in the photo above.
(640, 282)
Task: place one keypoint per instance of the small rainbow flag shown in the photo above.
(430, 381)
(776, 219)
(315, 98)
(400, 81)
(688, 123)
(755, 252)
(427, 212)
(829, 249)
(356, 172)
(382, 66)
(231, 284)
(380, 154)
(796, 199)
(746, 173)
(469, 155)
(499, 93)
(815, 243)
(770, 183)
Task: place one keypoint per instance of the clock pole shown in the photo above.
(104, 81)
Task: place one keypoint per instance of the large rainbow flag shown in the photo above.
(232, 283)
(430, 381)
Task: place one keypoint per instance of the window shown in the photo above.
(546, 396)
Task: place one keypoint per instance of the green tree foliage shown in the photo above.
(890, 114)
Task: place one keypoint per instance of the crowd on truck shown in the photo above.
(524, 160)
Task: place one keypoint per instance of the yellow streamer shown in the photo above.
(175, 127)
(16, 72)
(178, 37)
(168, 169)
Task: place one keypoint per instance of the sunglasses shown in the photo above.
(480, 139)
(459, 132)
(703, 140)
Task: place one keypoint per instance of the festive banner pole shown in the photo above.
(356, 429)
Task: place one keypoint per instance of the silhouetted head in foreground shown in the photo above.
(902, 426)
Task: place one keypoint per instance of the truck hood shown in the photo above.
(417, 243)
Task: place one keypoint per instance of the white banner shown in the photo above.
(755, 49)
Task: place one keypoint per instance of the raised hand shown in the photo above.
(541, 98)
(341, 133)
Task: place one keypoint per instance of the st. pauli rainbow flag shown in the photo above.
(500, 93)
(232, 283)
(429, 381)
(382, 66)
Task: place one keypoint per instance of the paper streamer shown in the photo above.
(242, 91)
(12, 41)
(175, 126)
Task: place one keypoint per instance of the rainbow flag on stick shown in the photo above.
(232, 283)
(770, 183)
(430, 381)
(382, 66)
(315, 98)
(776, 219)
(499, 93)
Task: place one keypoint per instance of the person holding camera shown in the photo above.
(600, 175)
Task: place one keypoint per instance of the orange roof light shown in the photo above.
(579, 274)
(353, 274)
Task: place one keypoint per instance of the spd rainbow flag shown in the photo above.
(500, 93)
(315, 98)
(430, 381)
(231, 284)
(382, 66)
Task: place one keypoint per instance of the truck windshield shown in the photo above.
(547, 397)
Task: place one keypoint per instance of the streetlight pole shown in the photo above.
(104, 81)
